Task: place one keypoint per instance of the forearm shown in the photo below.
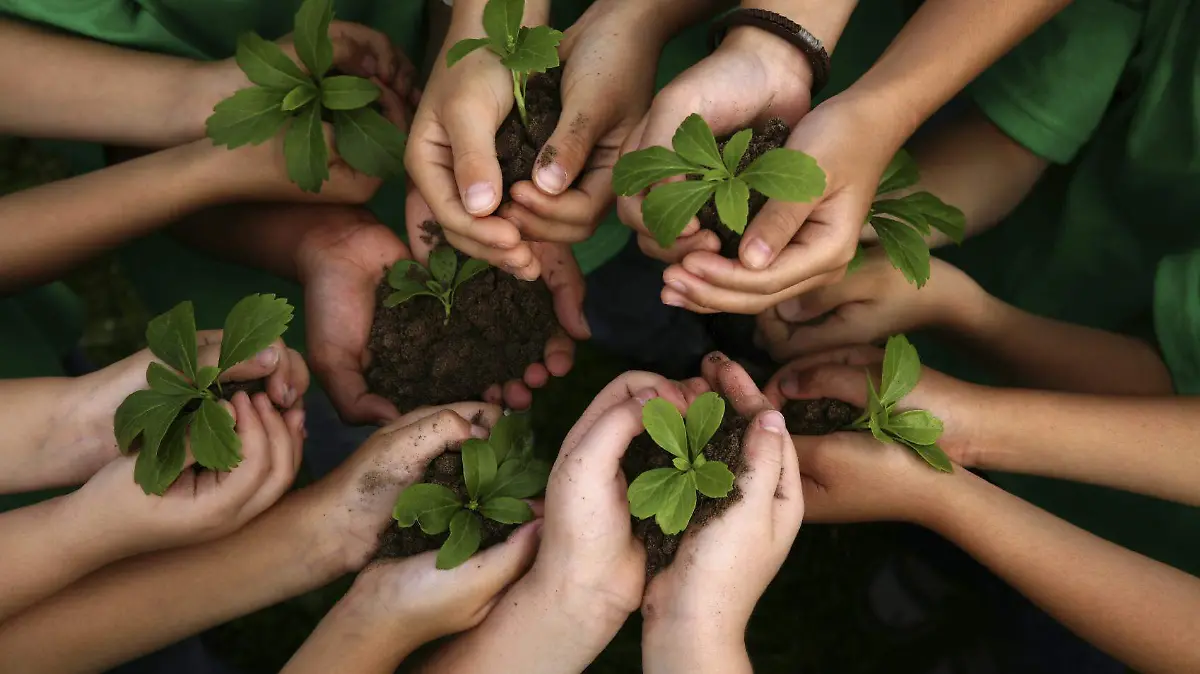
(350, 639)
(697, 649)
(27, 416)
(1138, 610)
(71, 88)
(117, 614)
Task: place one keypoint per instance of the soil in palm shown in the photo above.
(821, 416)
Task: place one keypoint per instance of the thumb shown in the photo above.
(565, 155)
(565, 280)
(771, 231)
(762, 450)
(258, 366)
(476, 167)
(841, 382)
(491, 570)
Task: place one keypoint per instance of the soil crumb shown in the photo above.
(818, 417)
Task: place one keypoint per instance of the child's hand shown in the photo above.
(868, 305)
(203, 505)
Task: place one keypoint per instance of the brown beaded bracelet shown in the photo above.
(780, 25)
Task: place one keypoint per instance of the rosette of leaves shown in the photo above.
(524, 50)
(287, 96)
(498, 473)
(787, 175)
(916, 429)
(180, 408)
(669, 494)
(441, 280)
(902, 223)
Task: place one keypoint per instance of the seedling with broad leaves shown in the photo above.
(524, 50)
(180, 408)
(916, 429)
(286, 95)
(498, 474)
(787, 175)
(441, 280)
(669, 494)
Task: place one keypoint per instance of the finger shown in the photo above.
(518, 261)
(719, 298)
(245, 480)
(206, 337)
(693, 388)
(854, 357)
(771, 333)
(819, 301)
(762, 450)
(536, 375)
(841, 382)
(258, 366)
(494, 569)
(734, 384)
(481, 415)
(280, 471)
(771, 231)
(597, 455)
(476, 168)
(673, 299)
(794, 271)
(278, 385)
(622, 389)
(347, 389)
(559, 355)
(494, 395)
(295, 421)
(436, 182)
(421, 225)
(789, 494)
(535, 227)
(405, 452)
(849, 325)
(517, 395)
(565, 280)
(298, 376)
(362, 51)
(582, 206)
(566, 153)
(395, 108)
(702, 241)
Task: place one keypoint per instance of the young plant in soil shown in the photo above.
(495, 475)
(286, 95)
(524, 50)
(180, 408)
(441, 280)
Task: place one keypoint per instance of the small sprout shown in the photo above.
(180, 408)
(441, 280)
(305, 97)
(523, 50)
(498, 473)
(787, 175)
(669, 494)
(916, 429)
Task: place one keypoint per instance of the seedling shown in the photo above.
(903, 223)
(441, 280)
(498, 472)
(787, 175)
(916, 429)
(180, 409)
(669, 494)
(523, 50)
(285, 94)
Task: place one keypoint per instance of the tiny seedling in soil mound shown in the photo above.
(180, 408)
(469, 499)
(285, 93)
(682, 472)
(446, 333)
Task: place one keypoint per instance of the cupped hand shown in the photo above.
(867, 306)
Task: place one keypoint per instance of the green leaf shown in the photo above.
(703, 419)
(401, 296)
(715, 175)
(405, 271)
(165, 380)
(148, 413)
(860, 256)
(900, 173)
(648, 492)
(536, 53)
(463, 48)
(519, 479)
(249, 117)
(901, 370)
(343, 92)
(875, 424)
(665, 426)
(502, 22)
(465, 535)
(442, 264)
(251, 326)
(916, 427)
(902, 210)
(479, 466)
(206, 376)
(369, 143)
(695, 142)
(172, 338)
(638, 170)
(469, 270)
(941, 216)
(266, 65)
(714, 479)
(418, 499)
(873, 403)
(312, 36)
(667, 209)
(214, 443)
(305, 152)
(735, 149)
(299, 97)
(680, 503)
(934, 456)
(787, 175)
(155, 471)
(682, 465)
(733, 204)
(510, 431)
(905, 248)
(506, 510)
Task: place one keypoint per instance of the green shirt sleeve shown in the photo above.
(1177, 318)
(1050, 92)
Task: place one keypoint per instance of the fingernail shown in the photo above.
(645, 395)
(479, 432)
(677, 286)
(289, 396)
(551, 178)
(773, 422)
(370, 65)
(268, 357)
(793, 386)
(672, 301)
(479, 198)
(583, 323)
(758, 254)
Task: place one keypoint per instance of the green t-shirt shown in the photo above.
(1107, 90)
(1177, 319)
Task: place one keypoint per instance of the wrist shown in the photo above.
(825, 19)
(585, 619)
(707, 644)
(781, 60)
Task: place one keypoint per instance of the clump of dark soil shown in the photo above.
(446, 470)
(231, 388)
(818, 417)
(643, 455)
(518, 147)
(498, 327)
(773, 135)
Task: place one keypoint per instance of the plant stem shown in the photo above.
(519, 82)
